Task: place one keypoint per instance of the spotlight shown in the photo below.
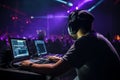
(14, 17)
(88, 0)
(27, 22)
(24, 38)
(80, 4)
(65, 2)
(76, 8)
(68, 11)
(70, 4)
(32, 17)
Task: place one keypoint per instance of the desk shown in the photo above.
(12, 74)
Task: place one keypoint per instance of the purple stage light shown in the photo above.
(76, 8)
(80, 4)
(27, 22)
(32, 17)
(68, 11)
(24, 37)
(65, 2)
(50, 16)
(52, 23)
(87, 0)
(60, 16)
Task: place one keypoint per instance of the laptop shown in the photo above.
(20, 51)
(42, 51)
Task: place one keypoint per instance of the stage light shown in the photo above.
(76, 8)
(27, 22)
(64, 2)
(87, 0)
(82, 3)
(68, 11)
(79, 5)
(94, 6)
(117, 37)
(14, 17)
(70, 4)
(24, 38)
(32, 17)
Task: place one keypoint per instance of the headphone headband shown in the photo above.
(78, 19)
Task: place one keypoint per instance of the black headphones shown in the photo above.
(78, 19)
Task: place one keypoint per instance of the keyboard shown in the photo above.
(40, 61)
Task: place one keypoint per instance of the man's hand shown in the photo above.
(54, 58)
(26, 63)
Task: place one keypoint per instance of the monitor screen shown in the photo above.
(40, 46)
(19, 48)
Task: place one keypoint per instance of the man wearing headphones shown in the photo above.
(92, 55)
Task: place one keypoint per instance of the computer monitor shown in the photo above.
(40, 47)
(19, 48)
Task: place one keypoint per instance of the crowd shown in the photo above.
(54, 44)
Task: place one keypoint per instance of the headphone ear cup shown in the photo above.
(73, 23)
(73, 28)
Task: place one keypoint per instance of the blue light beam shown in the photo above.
(94, 6)
(66, 3)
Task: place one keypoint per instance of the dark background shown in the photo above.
(107, 19)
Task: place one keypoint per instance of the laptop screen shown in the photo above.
(40, 46)
(19, 48)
